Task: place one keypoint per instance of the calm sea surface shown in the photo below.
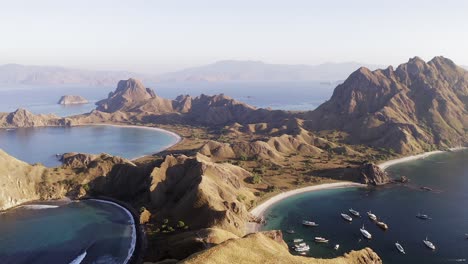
(60, 235)
(277, 95)
(42, 144)
(396, 205)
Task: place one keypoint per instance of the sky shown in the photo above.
(159, 36)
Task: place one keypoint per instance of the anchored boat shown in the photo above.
(423, 216)
(347, 217)
(429, 244)
(382, 225)
(372, 216)
(298, 240)
(365, 233)
(321, 240)
(354, 212)
(309, 223)
(400, 248)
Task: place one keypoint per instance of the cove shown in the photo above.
(396, 205)
(88, 231)
(42, 144)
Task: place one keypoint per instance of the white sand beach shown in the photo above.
(389, 163)
(259, 210)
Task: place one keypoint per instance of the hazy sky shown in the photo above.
(155, 36)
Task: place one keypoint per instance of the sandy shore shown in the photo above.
(389, 163)
(259, 210)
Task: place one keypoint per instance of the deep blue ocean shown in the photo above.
(397, 206)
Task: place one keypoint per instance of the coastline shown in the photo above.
(259, 210)
(384, 165)
(173, 134)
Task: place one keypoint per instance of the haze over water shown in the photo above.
(396, 205)
(277, 95)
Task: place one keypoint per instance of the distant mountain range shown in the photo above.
(15, 74)
(232, 70)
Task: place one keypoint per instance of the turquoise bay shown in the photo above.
(42, 144)
(396, 205)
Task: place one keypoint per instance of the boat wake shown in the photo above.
(38, 206)
(80, 258)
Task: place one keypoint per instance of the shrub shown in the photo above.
(180, 224)
(255, 179)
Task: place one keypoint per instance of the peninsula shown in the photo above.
(234, 156)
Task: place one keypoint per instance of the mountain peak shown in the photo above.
(128, 93)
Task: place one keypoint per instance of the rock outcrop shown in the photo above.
(269, 247)
(372, 174)
(72, 99)
(24, 118)
(417, 107)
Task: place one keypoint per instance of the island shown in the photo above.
(72, 100)
(198, 195)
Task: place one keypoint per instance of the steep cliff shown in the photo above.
(419, 106)
(18, 180)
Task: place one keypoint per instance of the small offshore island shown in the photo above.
(72, 100)
(195, 197)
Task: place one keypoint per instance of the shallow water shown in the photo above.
(397, 206)
(60, 235)
(42, 144)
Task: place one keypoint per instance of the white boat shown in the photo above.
(429, 244)
(400, 248)
(290, 231)
(298, 240)
(337, 246)
(321, 240)
(301, 245)
(365, 233)
(347, 217)
(354, 212)
(372, 216)
(302, 249)
(309, 223)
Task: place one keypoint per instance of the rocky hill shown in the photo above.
(18, 180)
(269, 247)
(24, 118)
(417, 106)
(72, 99)
(138, 102)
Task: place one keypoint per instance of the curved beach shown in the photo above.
(386, 164)
(259, 210)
